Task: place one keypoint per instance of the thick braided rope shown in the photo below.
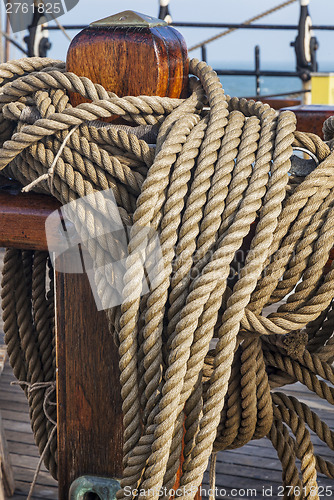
(235, 236)
(29, 339)
(314, 423)
(284, 444)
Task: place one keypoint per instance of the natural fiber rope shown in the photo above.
(198, 355)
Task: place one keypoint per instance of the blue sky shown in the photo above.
(235, 50)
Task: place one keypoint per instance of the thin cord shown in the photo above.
(50, 174)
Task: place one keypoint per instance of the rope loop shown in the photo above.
(240, 298)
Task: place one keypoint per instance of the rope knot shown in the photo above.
(294, 343)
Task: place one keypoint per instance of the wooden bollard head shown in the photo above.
(131, 54)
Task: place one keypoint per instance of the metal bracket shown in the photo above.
(128, 18)
(104, 488)
(300, 166)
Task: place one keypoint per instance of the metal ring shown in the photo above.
(104, 488)
(304, 150)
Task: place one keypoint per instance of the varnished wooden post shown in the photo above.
(89, 400)
(129, 54)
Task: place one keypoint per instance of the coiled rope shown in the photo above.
(199, 357)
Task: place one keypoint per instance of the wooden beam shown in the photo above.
(23, 217)
(90, 429)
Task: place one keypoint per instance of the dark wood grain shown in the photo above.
(23, 216)
(131, 61)
(89, 401)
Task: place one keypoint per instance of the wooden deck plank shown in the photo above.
(268, 453)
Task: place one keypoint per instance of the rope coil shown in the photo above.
(198, 354)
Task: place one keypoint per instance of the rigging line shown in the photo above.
(14, 42)
(256, 18)
(60, 26)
